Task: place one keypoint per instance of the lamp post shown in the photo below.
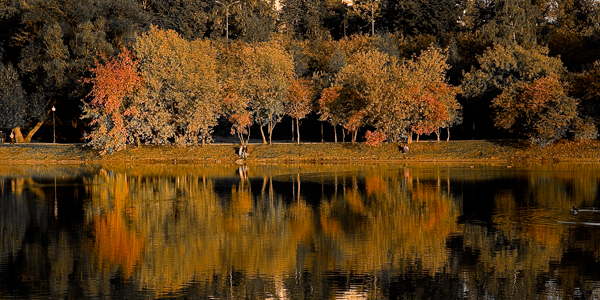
(53, 125)
(227, 16)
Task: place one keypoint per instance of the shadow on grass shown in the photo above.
(515, 144)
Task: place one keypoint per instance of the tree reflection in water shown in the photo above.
(300, 231)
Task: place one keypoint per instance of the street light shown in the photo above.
(53, 125)
(227, 16)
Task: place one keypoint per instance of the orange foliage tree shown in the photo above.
(328, 106)
(114, 83)
(299, 99)
(236, 110)
(540, 109)
(433, 100)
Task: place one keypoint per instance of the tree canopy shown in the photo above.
(393, 67)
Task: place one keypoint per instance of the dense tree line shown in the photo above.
(168, 72)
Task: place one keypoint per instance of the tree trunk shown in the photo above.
(292, 130)
(354, 135)
(373, 19)
(335, 133)
(19, 138)
(448, 130)
(418, 136)
(410, 140)
(437, 133)
(262, 132)
(298, 129)
(270, 127)
(343, 135)
(248, 138)
(321, 132)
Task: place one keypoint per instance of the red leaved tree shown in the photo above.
(330, 108)
(299, 98)
(237, 112)
(113, 83)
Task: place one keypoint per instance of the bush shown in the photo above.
(375, 138)
(583, 129)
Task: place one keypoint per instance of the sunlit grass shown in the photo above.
(313, 152)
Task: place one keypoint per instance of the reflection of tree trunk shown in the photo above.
(298, 197)
(271, 191)
(19, 135)
(264, 187)
(336, 184)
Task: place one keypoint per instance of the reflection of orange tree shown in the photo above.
(114, 242)
(412, 226)
(185, 232)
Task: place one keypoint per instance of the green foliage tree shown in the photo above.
(13, 105)
(54, 42)
(303, 18)
(435, 17)
(585, 86)
(256, 21)
(191, 19)
(368, 10)
(573, 32)
(503, 20)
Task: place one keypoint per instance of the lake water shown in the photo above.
(412, 231)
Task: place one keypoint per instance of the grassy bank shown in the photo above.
(317, 152)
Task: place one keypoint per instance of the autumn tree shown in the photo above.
(182, 89)
(540, 109)
(329, 106)
(268, 70)
(360, 82)
(501, 67)
(299, 101)
(114, 84)
(433, 100)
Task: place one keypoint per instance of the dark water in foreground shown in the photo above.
(301, 232)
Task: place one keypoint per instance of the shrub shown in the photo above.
(375, 138)
(583, 129)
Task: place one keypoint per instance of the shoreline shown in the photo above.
(290, 153)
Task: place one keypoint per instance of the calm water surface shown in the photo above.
(300, 232)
